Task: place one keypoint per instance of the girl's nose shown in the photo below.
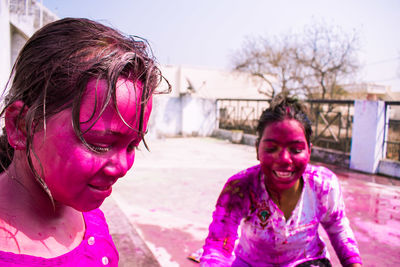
(119, 164)
(285, 156)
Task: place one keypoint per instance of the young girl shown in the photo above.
(78, 106)
(280, 202)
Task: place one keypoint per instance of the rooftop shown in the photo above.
(170, 193)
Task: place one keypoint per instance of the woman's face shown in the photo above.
(283, 153)
(75, 175)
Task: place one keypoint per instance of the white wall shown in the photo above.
(5, 42)
(211, 83)
(166, 117)
(16, 26)
(198, 116)
(184, 115)
(18, 41)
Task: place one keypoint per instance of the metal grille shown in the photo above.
(332, 123)
(392, 130)
(240, 114)
(332, 119)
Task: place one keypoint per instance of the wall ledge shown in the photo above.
(389, 167)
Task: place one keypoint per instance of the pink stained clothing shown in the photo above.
(96, 249)
(266, 238)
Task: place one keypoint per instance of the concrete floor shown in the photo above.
(170, 193)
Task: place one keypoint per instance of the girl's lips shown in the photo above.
(100, 191)
(100, 187)
(283, 174)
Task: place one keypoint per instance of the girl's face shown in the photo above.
(283, 153)
(75, 175)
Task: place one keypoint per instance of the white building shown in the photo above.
(19, 19)
(212, 83)
(369, 91)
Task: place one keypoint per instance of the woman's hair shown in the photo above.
(284, 107)
(55, 65)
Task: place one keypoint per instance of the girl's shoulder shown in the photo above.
(245, 177)
(95, 220)
(319, 177)
(242, 182)
(97, 227)
(236, 192)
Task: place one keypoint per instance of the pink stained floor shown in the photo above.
(373, 207)
(171, 192)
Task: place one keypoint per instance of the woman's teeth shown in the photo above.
(283, 174)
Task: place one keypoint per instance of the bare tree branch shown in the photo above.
(314, 63)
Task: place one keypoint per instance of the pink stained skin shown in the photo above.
(76, 176)
(283, 153)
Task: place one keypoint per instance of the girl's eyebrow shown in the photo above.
(104, 132)
(110, 133)
(275, 141)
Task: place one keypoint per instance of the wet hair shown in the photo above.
(284, 107)
(53, 68)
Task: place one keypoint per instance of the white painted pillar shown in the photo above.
(367, 135)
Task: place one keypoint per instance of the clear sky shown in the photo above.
(207, 32)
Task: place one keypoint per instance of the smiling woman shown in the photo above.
(78, 106)
(280, 203)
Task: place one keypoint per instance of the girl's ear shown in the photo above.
(15, 125)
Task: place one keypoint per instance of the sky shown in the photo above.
(206, 33)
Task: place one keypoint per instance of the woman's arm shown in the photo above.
(220, 242)
(223, 234)
(337, 226)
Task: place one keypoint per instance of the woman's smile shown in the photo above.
(284, 153)
(283, 174)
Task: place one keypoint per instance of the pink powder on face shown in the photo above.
(283, 153)
(75, 175)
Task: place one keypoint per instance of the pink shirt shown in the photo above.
(266, 238)
(96, 249)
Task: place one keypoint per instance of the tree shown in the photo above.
(328, 58)
(314, 63)
(269, 61)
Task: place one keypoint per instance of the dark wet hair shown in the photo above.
(55, 65)
(285, 107)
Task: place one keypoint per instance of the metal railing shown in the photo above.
(332, 123)
(332, 119)
(392, 130)
(240, 114)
